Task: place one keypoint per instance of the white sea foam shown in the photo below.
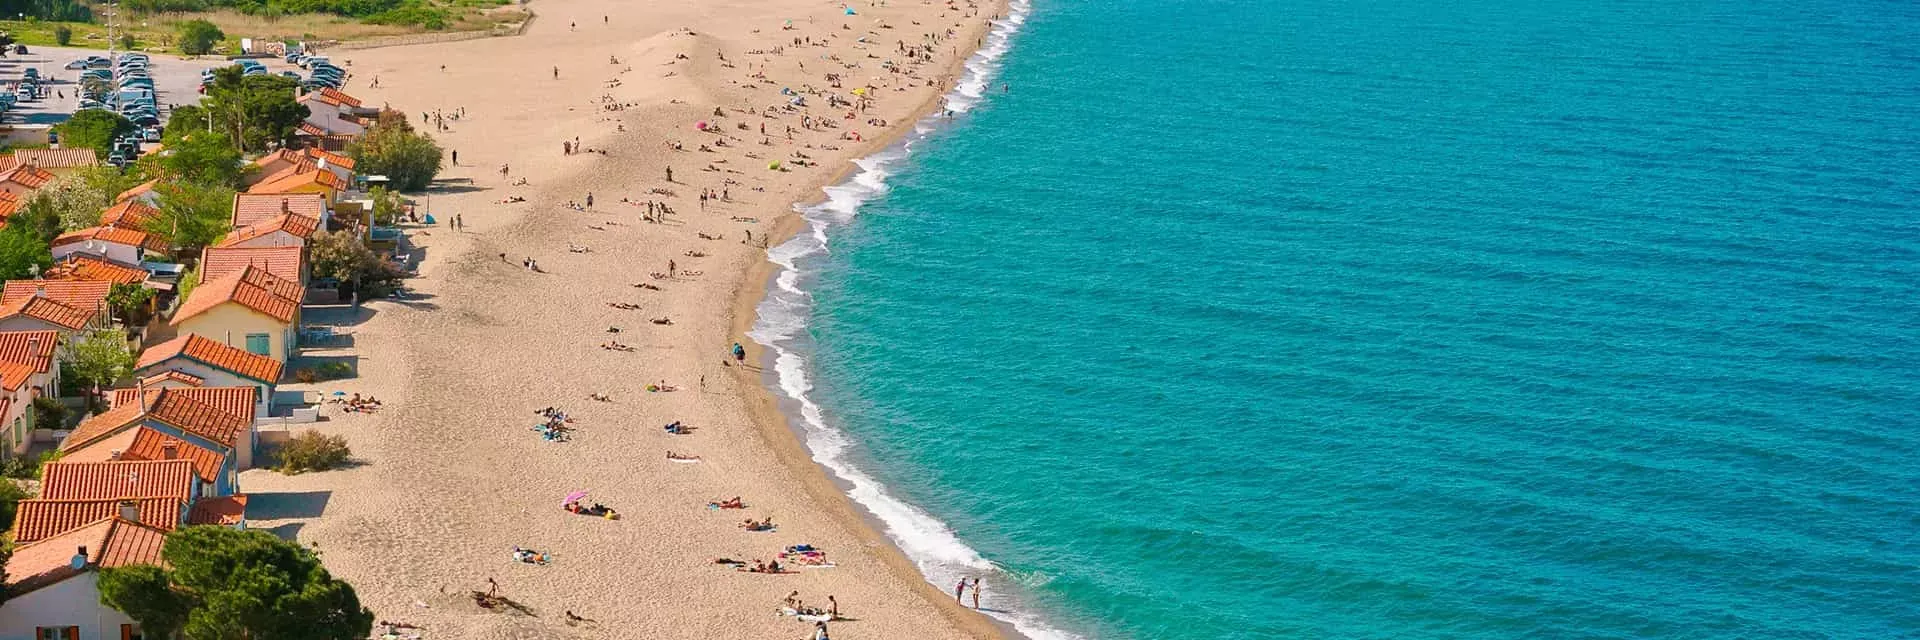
(941, 556)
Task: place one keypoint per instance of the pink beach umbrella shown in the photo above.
(573, 497)
(701, 125)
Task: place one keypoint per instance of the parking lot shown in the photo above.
(176, 81)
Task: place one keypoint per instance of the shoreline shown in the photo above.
(779, 426)
(481, 489)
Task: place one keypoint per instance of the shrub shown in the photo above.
(49, 414)
(93, 129)
(409, 158)
(313, 451)
(197, 37)
(127, 42)
(62, 35)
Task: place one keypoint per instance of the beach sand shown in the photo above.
(451, 477)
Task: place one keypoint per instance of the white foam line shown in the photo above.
(782, 323)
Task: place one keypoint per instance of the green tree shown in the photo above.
(188, 280)
(62, 35)
(197, 37)
(127, 42)
(408, 158)
(40, 215)
(340, 256)
(252, 110)
(10, 496)
(230, 584)
(144, 593)
(93, 129)
(99, 358)
(192, 215)
(200, 157)
(129, 301)
(22, 255)
(387, 205)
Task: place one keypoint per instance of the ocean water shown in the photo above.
(1404, 319)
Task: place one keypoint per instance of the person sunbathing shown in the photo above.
(661, 320)
(678, 429)
(647, 285)
(734, 503)
(675, 456)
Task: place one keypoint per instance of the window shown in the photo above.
(56, 633)
(131, 632)
(260, 344)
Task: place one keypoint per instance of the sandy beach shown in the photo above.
(453, 476)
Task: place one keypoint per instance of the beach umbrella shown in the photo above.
(701, 125)
(574, 497)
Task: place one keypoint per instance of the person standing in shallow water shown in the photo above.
(976, 593)
(959, 590)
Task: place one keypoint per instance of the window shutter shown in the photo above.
(126, 632)
(70, 633)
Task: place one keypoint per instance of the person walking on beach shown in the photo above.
(976, 593)
(669, 174)
(456, 157)
(833, 607)
(740, 356)
(589, 199)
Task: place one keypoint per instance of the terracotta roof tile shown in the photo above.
(27, 175)
(337, 98)
(287, 181)
(62, 480)
(14, 375)
(129, 213)
(48, 311)
(283, 262)
(57, 158)
(213, 354)
(33, 348)
(110, 542)
(98, 427)
(40, 519)
(169, 375)
(91, 268)
(8, 206)
(237, 401)
(252, 208)
(148, 444)
(251, 288)
(116, 235)
(335, 159)
(298, 226)
(137, 191)
(79, 295)
(223, 510)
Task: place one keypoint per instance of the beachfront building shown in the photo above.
(59, 162)
(210, 364)
(310, 180)
(53, 584)
(207, 429)
(35, 349)
(112, 512)
(21, 181)
(250, 209)
(334, 120)
(282, 230)
(68, 307)
(250, 310)
(240, 401)
(120, 244)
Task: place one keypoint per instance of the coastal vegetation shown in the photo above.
(313, 451)
(342, 257)
(226, 583)
(197, 37)
(253, 111)
(392, 148)
(192, 215)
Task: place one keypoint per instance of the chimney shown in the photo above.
(113, 455)
(284, 208)
(170, 450)
(130, 511)
(39, 290)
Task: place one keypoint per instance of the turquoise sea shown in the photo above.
(1401, 319)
